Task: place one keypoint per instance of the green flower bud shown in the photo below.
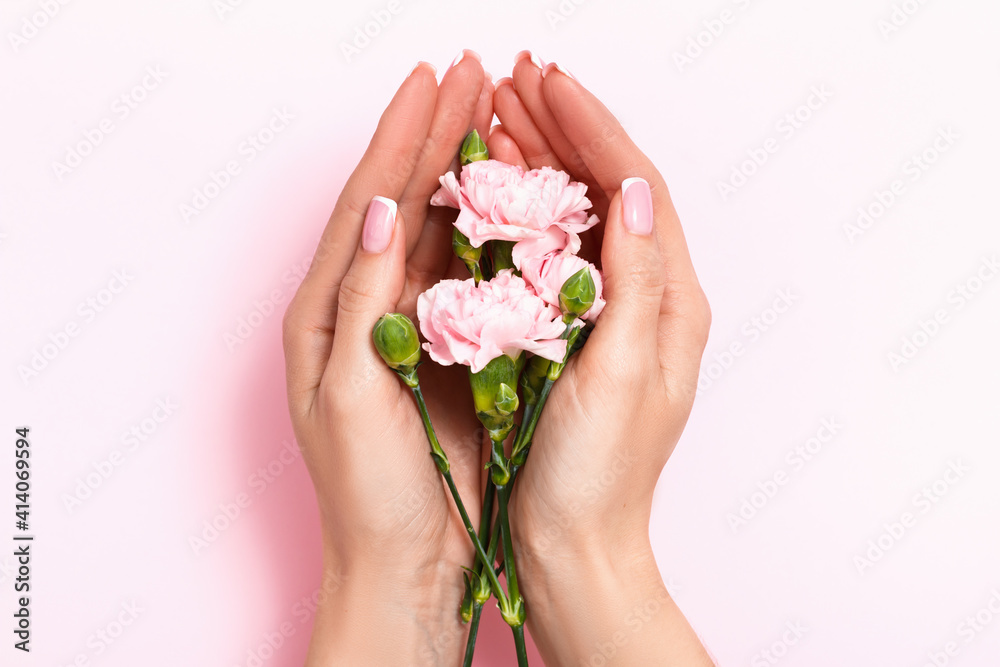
(397, 343)
(514, 613)
(577, 295)
(487, 390)
(465, 610)
(533, 378)
(462, 246)
(473, 149)
(481, 590)
(506, 400)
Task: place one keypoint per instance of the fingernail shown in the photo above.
(417, 66)
(379, 220)
(467, 52)
(551, 66)
(535, 60)
(637, 206)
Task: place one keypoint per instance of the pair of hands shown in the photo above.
(393, 542)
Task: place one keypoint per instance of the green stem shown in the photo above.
(494, 582)
(503, 496)
(470, 647)
(517, 624)
(442, 463)
(487, 539)
(520, 450)
(522, 651)
(440, 458)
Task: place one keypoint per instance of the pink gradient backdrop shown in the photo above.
(164, 336)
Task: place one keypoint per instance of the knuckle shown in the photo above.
(646, 276)
(354, 295)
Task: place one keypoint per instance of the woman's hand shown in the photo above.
(581, 506)
(393, 542)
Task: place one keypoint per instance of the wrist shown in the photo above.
(591, 603)
(374, 612)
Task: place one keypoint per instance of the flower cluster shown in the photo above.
(529, 304)
(541, 212)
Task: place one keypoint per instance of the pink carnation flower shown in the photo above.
(541, 210)
(472, 325)
(548, 274)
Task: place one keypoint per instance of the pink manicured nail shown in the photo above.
(551, 66)
(417, 66)
(467, 52)
(637, 206)
(379, 220)
(535, 60)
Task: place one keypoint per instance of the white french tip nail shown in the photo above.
(535, 60)
(458, 59)
(629, 181)
(564, 71)
(417, 66)
(390, 204)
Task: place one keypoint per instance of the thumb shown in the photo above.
(634, 274)
(370, 289)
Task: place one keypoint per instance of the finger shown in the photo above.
(384, 170)
(641, 301)
(518, 124)
(482, 118)
(369, 290)
(528, 82)
(612, 157)
(457, 100)
(634, 278)
(503, 147)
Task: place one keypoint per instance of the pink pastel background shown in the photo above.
(884, 79)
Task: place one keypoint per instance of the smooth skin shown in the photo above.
(393, 543)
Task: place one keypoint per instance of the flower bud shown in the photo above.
(467, 253)
(506, 400)
(490, 388)
(465, 609)
(577, 295)
(397, 342)
(473, 149)
(533, 378)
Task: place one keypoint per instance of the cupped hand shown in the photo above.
(581, 506)
(393, 541)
